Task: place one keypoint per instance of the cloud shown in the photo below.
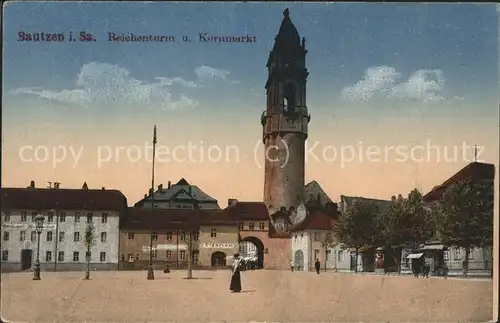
(384, 82)
(103, 83)
(206, 73)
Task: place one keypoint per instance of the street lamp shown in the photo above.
(151, 274)
(39, 227)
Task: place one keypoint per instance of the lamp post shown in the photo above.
(151, 274)
(39, 227)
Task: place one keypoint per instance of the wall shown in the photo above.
(168, 251)
(301, 241)
(68, 246)
(225, 235)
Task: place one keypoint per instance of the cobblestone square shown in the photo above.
(267, 296)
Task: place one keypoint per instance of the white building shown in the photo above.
(67, 213)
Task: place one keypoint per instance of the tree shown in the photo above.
(407, 224)
(359, 226)
(89, 241)
(465, 216)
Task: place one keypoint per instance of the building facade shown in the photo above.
(67, 213)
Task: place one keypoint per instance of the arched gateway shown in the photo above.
(252, 248)
(218, 259)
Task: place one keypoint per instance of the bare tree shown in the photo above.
(89, 241)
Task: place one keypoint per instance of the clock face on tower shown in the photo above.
(301, 213)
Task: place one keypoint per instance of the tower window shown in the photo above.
(289, 98)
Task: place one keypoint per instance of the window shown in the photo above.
(103, 237)
(49, 235)
(261, 225)
(471, 254)
(251, 226)
(154, 253)
(33, 216)
(169, 254)
(183, 236)
(316, 254)
(50, 217)
(196, 236)
(122, 257)
(317, 236)
(60, 256)
(154, 236)
(102, 256)
(62, 217)
(137, 257)
(22, 235)
(48, 256)
(6, 218)
(213, 233)
(76, 236)
(104, 218)
(328, 255)
(24, 217)
(77, 217)
(130, 257)
(183, 254)
(33, 236)
(76, 256)
(169, 236)
(61, 236)
(89, 218)
(446, 255)
(5, 255)
(242, 225)
(131, 236)
(457, 254)
(341, 255)
(88, 255)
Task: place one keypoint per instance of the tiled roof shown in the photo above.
(248, 211)
(63, 199)
(181, 190)
(317, 219)
(473, 171)
(172, 219)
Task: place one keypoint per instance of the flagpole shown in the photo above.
(151, 275)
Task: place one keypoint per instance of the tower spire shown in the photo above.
(475, 153)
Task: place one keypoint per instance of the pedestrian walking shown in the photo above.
(317, 266)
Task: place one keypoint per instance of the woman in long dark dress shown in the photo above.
(235, 285)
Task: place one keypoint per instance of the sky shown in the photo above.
(416, 83)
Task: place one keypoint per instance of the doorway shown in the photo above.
(218, 259)
(299, 260)
(26, 258)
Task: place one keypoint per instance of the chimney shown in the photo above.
(231, 202)
(56, 185)
(160, 187)
(169, 184)
(32, 184)
(84, 186)
(145, 196)
(103, 188)
(150, 191)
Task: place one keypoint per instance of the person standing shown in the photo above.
(291, 265)
(235, 285)
(317, 266)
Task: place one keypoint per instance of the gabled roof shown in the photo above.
(313, 191)
(182, 190)
(63, 199)
(473, 171)
(382, 205)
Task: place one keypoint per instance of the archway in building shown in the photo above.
(252, 249)
(218, 259)
(298, 261)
